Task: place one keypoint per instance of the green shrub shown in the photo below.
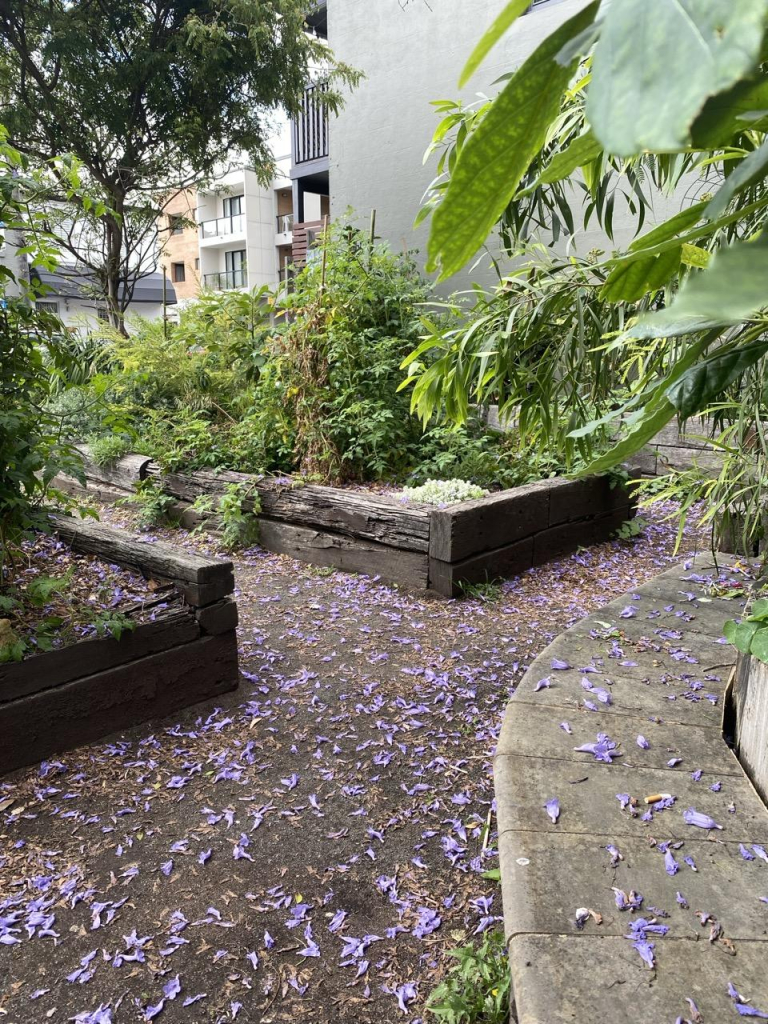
(331, 378)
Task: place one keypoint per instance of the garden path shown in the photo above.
(309, 848)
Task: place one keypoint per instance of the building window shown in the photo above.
(235, 266)
(233, 206)
(47, 307)
(197, 262)
(178, 272)
(102, 313)
(176, 223)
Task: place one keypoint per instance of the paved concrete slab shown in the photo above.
(550, 876)
(653, 659)
(694, 700)
(602, 980)
(589, 806)
(534, 731)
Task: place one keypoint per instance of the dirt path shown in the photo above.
(307, 849)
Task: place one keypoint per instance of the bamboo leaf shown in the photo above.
(499, 151)
(580, 152)
(508, 16)
(657, 63)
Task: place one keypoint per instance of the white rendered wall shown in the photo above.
(412, 53)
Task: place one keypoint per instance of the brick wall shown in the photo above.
(183, 247)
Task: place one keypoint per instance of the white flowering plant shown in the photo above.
(443, 492)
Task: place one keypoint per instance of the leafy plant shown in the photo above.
(632, 528)
(34, 356)
(330, 382)
(476, 989)
(688, 295)
(235, 513)
(109, 448)
(750, 636)
(153, 505)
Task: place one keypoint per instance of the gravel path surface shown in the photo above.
(309, 848)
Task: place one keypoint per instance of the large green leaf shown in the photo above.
(508, 16)
(629, 282)
(724, 116)
(499, 151)
(751, 169)
(730, 290)
(700, 386)
(644, 430)
(658, 61)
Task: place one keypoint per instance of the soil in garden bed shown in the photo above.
(52, 597)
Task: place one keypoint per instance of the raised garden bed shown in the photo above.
(186, 653)
(423, 548)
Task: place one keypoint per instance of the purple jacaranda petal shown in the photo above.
(552, 808)
(745, 852)
(311, 948)
(673, 762)
(627, 613)
(623, 799)
(338, 920)
(172, 988)
(268, 941)
(542, 684)
(716, 787)
(253, 959)
(681, 900)
(166, 867)
(615, 854)
(692, 817)
(151, 1012)
(670, 864)
(691, 863)
(696, 775)
(603, 750)
(203, 856)
(760, 852)
(734, 993)
(645, 949)
(429, 921)
(642, 742)
(750, 1011)
(566, 728)
(405, 995)
(559, 665)
(191, 1000)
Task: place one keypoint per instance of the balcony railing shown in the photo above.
(223, 226)
(310, 128)
(284, 223)
(227, 280)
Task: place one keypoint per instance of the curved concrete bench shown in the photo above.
(656, 654)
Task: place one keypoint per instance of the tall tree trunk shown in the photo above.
(114, 250)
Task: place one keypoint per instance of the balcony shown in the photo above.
(310, 128)
(227, 280)
(222, 227)
(284, 223)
